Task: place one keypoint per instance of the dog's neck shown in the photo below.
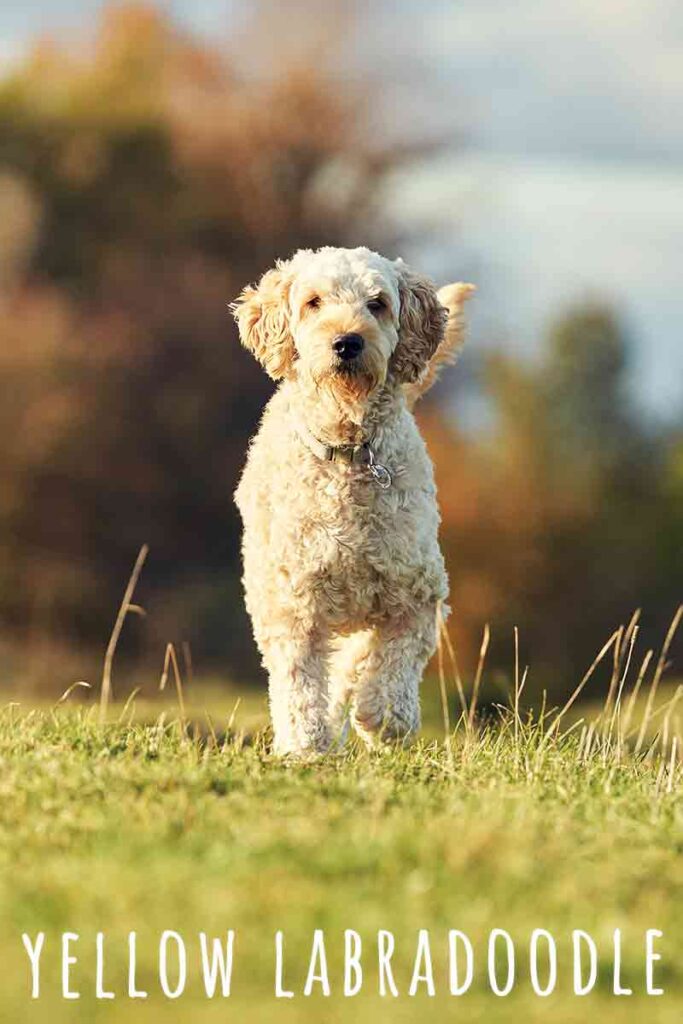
(338, 416)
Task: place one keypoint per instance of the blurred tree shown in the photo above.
(558, 519)
(164, 174)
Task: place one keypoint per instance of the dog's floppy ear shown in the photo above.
(422, 322)
(262, 314)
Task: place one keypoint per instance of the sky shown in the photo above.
(565, 178)
(599, 78)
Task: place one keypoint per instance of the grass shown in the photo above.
(118, 818)
(118, 827)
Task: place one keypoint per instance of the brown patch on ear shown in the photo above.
(262, 314)
(422, 323)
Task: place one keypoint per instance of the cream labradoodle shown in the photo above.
(342, 567)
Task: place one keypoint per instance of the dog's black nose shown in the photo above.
(348, 346)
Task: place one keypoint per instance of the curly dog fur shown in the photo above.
(342, 576)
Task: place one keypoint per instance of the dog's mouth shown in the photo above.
(354, 378)
(348, 367)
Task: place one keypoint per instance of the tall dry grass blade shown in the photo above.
(106, 689)
(614, 678)
(542, 712)
(664, 736)
(578, 724)
(525, 676)
(130, 701)
(672, 765)
(233, 714)
(454, 662)
(630, 707)
(477, 678)
(664, 708)
(171, 661)
(623, 652)
(516, 704)
(212, 731)
(69, 690)
(554, 725)
(616, 713)
(667, 709)
(633, 624)
(659, 671)
(442, 681)
(582, 740)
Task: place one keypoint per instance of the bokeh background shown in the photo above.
(155, 158)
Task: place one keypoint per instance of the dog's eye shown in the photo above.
(376, 306)
(313, 303)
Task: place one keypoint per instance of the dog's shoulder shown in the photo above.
(265, 451)
(405, 450)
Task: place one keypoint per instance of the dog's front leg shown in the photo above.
(386, 703)
(297, 692)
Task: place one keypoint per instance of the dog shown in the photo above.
(342, 568)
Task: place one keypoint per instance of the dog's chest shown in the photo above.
(377, 549)
(366, 521)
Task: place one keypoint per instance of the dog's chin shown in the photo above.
(355, 381)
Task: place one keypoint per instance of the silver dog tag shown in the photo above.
(380, 474)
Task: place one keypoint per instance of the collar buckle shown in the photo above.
(379, 473)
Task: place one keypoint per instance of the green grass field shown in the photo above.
(133, 826)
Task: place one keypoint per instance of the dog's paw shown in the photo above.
(297, 758)
(379, 723)
(301, 747)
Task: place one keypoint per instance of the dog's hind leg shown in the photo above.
(386, 703)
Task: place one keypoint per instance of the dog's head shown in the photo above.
(346, 319)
